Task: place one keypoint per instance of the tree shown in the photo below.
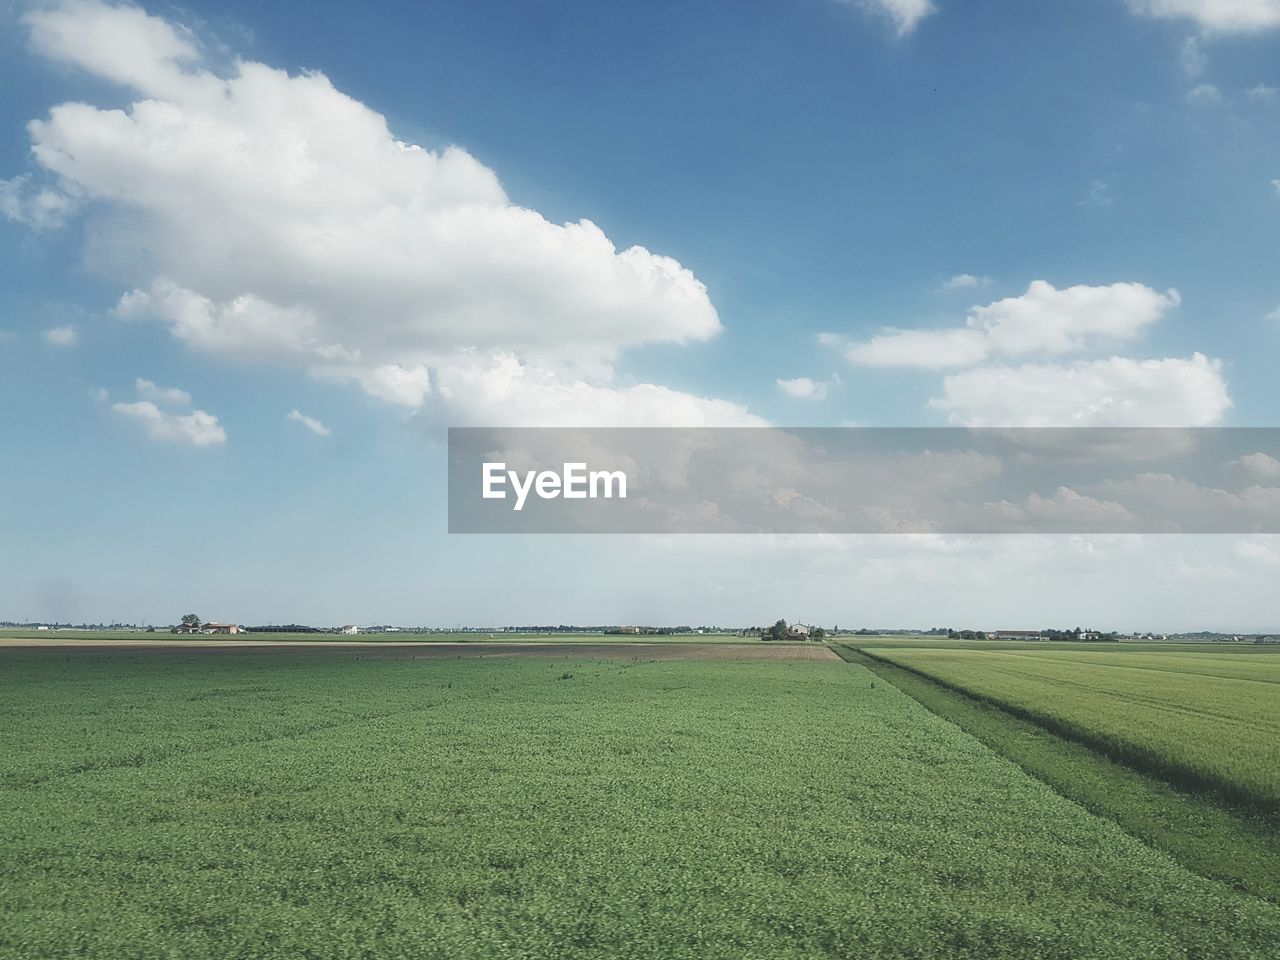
(190, 620)
(778, 631)
(818, 634)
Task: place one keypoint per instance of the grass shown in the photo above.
(1200, 720)
(1231, 844)
(209, 807)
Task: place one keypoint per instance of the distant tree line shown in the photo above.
(1073, 635)
(1078, 634)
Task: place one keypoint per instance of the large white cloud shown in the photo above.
(1044, 320)
(1117, 391)
(269, 217)
(1220, 16)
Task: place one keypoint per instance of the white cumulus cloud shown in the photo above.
(197, 429)
(268, 217)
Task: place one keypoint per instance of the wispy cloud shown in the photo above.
(1214, 16)
(967, 281)
(1192, 57)
(62, 336)
(165, 395)
(1204, 94)
(311, 423)
(904, 15)
(806, 388)
(1098, 194)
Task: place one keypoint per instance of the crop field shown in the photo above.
(410, 650)
(23, 634)
(191, 805)
(1203, 719)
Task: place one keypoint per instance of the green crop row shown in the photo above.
(1192, 718)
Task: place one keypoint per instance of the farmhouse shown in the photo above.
(798, 631)
(1014, 634)
(350, 629)
(212, 627)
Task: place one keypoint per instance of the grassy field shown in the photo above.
(1234, 844)
(209, 807)
(1200, 719)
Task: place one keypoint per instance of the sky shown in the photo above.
(255, 259)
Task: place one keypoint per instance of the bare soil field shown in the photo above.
(427, 650)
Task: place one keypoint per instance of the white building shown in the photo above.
(798, 631)
(350, 629)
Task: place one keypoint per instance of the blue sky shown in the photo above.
(819, 174)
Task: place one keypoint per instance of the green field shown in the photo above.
(197, 806)
(401, 636)
(1202, 719)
